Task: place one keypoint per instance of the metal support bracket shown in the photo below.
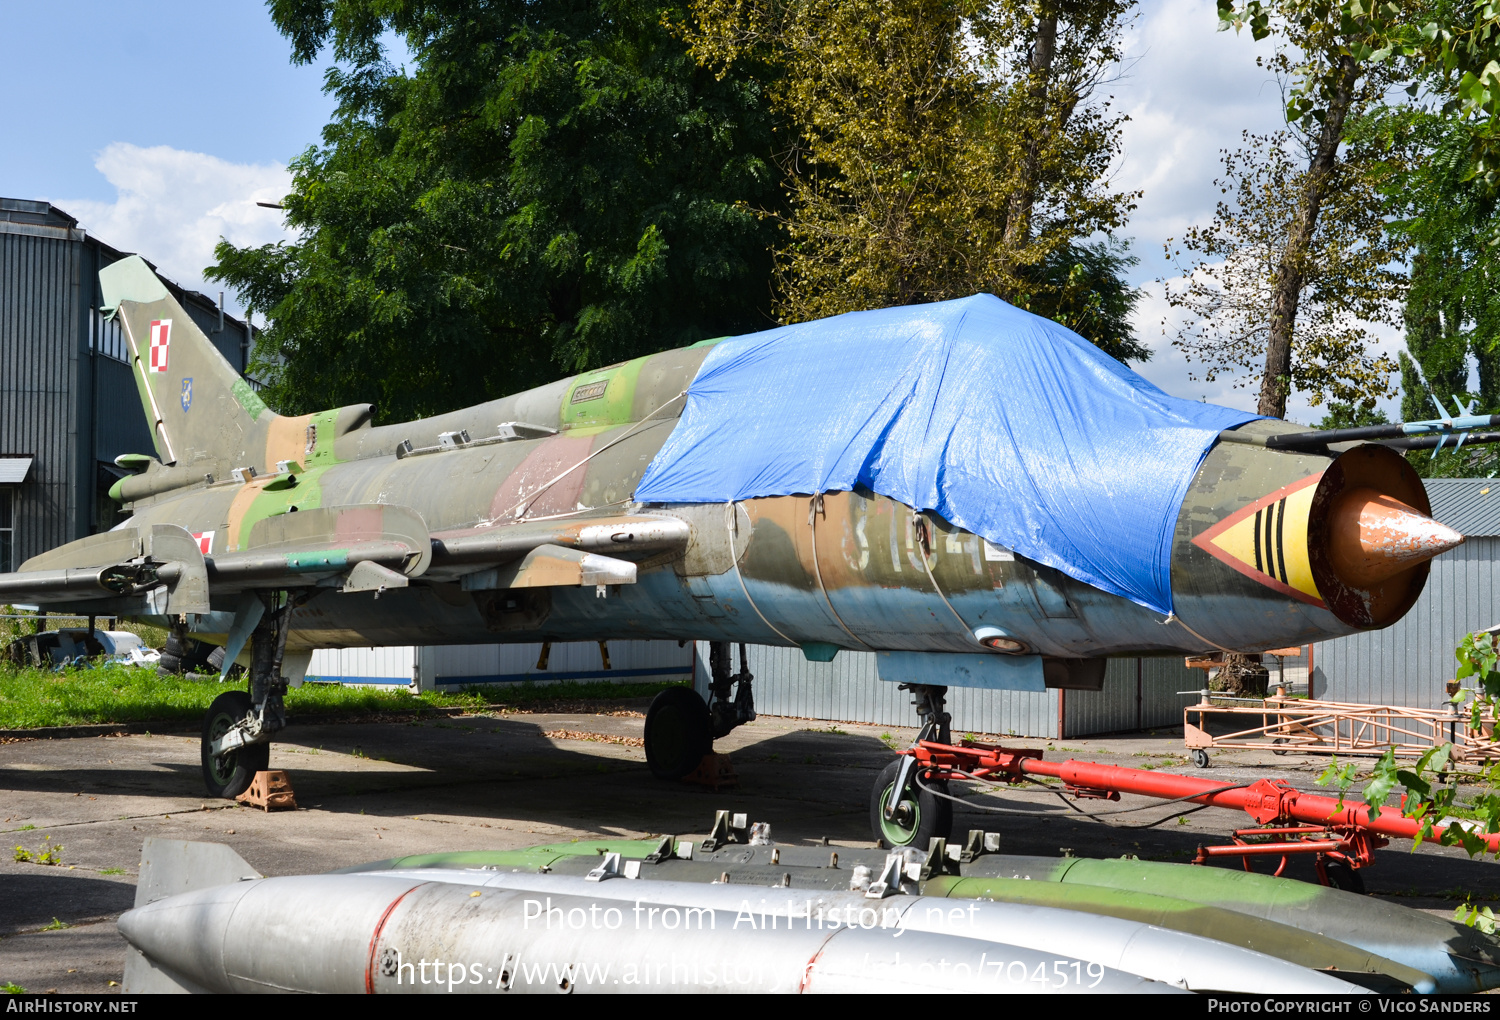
(664, 851)
(608, 868)
(727, 829)
(726, 714)
(888, 882)
(929, 702)
(978, 844)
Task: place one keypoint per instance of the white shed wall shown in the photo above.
(363, 665)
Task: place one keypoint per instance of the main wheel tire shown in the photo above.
(678, 733)
(922, 814)
(1276, 747)
(1200, 757)
(229, 774)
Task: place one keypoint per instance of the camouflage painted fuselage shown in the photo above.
(514, 521)
(848, 569)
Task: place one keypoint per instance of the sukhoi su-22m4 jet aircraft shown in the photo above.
(975, 494)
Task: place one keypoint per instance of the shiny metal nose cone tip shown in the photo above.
(1374, 537)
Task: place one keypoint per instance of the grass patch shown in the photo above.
(116, 693)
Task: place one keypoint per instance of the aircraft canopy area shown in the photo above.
(1005, 423)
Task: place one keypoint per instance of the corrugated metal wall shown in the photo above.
(848, 689)
(1138, 694)
(40, 331)
(629, 661)
(1407, 664)
(120, 423)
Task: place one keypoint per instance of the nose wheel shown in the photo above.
(919, 814)
(921, 809)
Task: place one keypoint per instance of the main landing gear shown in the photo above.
(906, 808)
(237, 730)
(680, 729)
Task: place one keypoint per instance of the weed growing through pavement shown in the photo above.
(42, 855)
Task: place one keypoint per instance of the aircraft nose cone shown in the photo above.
(1373, 537)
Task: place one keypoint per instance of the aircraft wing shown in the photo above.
(571, 551)
(161, 569)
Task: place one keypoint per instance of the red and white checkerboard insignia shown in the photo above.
(161, 340)
(205, 541)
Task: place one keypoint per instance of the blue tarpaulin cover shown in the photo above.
(1007, 424)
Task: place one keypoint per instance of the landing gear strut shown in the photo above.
(681, 729)
(726, 714)
(907, 808)
(237, 730)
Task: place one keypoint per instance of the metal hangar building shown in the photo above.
(68, 401)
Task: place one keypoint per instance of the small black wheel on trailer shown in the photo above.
(678, 733)
(920, 815)
(1276, 747)
(228, 775)
(1200, 757)
(1341, 876)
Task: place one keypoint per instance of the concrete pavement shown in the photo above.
(374, 790)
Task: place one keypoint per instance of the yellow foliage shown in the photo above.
(940, 148)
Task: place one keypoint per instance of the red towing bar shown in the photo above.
(1265, 800)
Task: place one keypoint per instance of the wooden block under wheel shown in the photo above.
(269, 790)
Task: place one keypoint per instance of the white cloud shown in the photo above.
(173, 206)
(1189, 90)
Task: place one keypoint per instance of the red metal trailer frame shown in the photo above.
(1294, 821)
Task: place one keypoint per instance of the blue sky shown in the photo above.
(201, 77)
(161, 124)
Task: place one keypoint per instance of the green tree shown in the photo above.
(939, 148)
(1447, 217)
(549, 186)
(1329, 54)
(1343, 270)
(1348, 416)
(1339, 55)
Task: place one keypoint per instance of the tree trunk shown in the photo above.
(1287, 289)
(1018, 218)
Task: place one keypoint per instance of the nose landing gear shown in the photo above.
(906, 807)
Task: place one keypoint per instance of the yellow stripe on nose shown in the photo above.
(1267, 541)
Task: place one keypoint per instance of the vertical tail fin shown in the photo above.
(202, 413)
